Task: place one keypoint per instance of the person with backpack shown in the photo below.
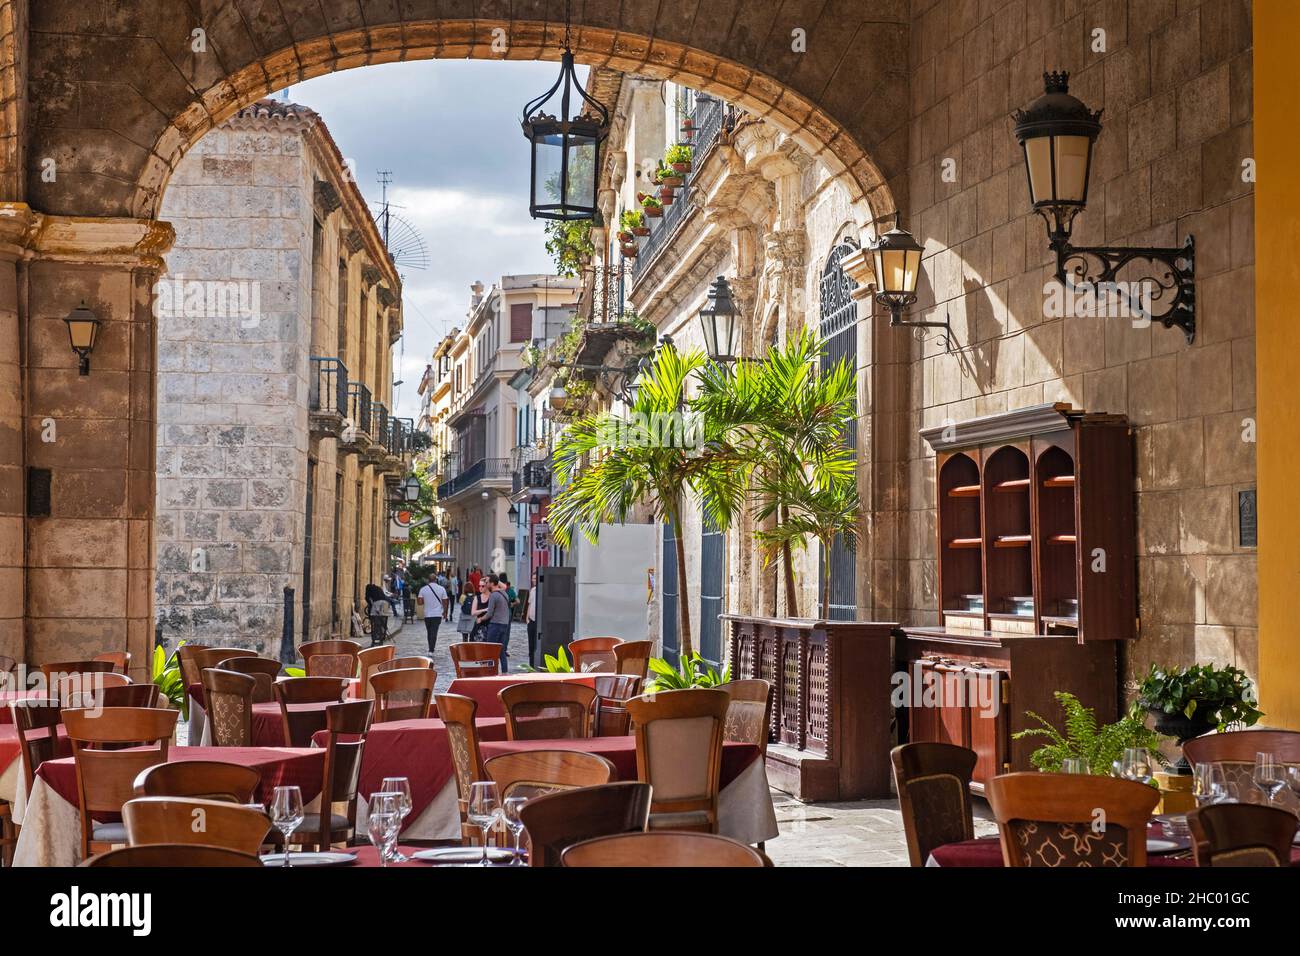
(436, 604)
(378, 609)
(465, 623)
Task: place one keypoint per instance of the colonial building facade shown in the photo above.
(275, 326)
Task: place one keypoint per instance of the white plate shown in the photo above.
(1161, 846)
(463, 854)
(310, 859)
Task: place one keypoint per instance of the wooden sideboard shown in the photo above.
(830, 733)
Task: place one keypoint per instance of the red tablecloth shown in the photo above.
(279, 766)
(417, 750)
(621, 752)
(9, 746)
(484, 690)
(196, 692)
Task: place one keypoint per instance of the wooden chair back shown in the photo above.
(186, 657)
(37, 721)
(594, 654)
(532, 773)
(300, 699)
(405, 694)
(105, 778)
(1236, 751)
(547, 710)
(1047, 819)
(152, 820)
(336, 658)
(457, 713)
(475, 658)
(56, 673)
(263, 670)
(633, 657)
(933, 782)
(749, 714)
(81, 690)
(1242, 834)
(121, 660)
(662, 849)
(558, 820)
(347, 725)
(200, 780)
(168, 855)
(368, 659)
(613, 691)
(214, 656)
(403, 663)
(129, 695)
(230, 707)
(679, 753)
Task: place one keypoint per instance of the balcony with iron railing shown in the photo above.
(356, 434)
(327, 398)
(525, 470)
(494, 470)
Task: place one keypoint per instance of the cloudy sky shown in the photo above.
(449, 132)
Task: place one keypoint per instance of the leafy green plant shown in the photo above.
(631, 219)
(693, 672)
(165, 673)
(666, 173)
(557, 664)
(651, 202)
(295, 672)
(1223, 696)
(1101, 745)
(531, 356)
(679, 153)
(570, 245)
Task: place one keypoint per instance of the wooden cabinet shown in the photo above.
(1037, 578)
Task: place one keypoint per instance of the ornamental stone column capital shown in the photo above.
(133, 243)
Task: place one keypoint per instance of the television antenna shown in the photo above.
(402, 239)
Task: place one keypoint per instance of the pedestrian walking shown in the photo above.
(465, 623)
(475, 577)
(479, 609)
(530, 619)
(436, 604)
(453, 587)
(378, 609)
(496, 617)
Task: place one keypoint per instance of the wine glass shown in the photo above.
(382, 821)
(1078, 765)
(1268, 775)
(1209, 784)
(1136, 764)
(484, 808)
(510, 810)
(287, 814)
(1293, 781)
(402, 787)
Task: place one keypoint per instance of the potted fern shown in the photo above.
(1102, 745)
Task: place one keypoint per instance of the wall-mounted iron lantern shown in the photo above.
(83, 327)
(718, 322)
(1057, 133)
(896, 265)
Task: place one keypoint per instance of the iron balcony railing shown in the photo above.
(710, 115)
(522, 458)
(359, 407)
(329, 386)
(482, 470)
(379, 427)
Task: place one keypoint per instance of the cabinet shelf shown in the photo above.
(1064, 539)
(965, 542)
(964, 491)
(1012, 541)
(1014, 484)
(1059, 481)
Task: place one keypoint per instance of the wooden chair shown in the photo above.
(121, 660)
(475, 658)
(1047, 819)
(1242, 834)
(168, 855)
(404, 694)
(347, 725)
(8, 834)
(214, 657)
(547, 711)
(532, 773)
(186, 657)
(613, 691)
(662, 849)
(37, 722)
(1236, 752)
(457, 713)
(105, 777)
(749, 714)
(76, 691)
(594, 654)
(151, 820)
(633, 657)
(679, 753)
(300, 705)
(558, 820)
(263, 670)
(933, 782)
(129, 695)
(367, 660)
(57, 674)
(199, 779)
(336, 658)
(230, 707)
(402, 663)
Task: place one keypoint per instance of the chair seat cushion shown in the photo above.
(311, 823)
(108, 833)
(688, 820)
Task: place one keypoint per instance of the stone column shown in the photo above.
(88, 550)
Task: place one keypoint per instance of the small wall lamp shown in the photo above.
(83, 327)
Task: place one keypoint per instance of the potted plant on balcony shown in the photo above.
(628, 249)
(633, 221)
(688, 129)
(670, 177)
(652, 206)
(680, 157)
(1188, 702)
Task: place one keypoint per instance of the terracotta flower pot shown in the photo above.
(641, 231)
(625, 237)
(674, 181)
(683, 168)
(629, 250)
(654, 212)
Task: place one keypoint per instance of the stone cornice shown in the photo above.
(28, 234)
(370, 275)
(326, 198)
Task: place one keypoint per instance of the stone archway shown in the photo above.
(99, 103)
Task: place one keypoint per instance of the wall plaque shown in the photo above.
(1247, 519)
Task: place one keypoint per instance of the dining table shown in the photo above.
(267, 729)
(484, 690)
(51, 819)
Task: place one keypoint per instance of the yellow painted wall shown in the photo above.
(1277, 356)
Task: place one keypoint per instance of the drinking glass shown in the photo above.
(382, 822)
(287, 814)
(1268, 775)
(510, 810)
(1209, 784)
(1075, 765)
(484, 809)
(1136, 764)
(402, 787)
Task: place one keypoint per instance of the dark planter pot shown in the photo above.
(1183, 728)
(641, 231)
(682, 168)
(674, 182)
(654, 212)
(629, 250)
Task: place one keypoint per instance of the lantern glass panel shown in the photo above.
(709, 325)
(1072, 167)
(82, 333)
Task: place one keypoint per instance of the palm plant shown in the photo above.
(611, 464)
(790, 418)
